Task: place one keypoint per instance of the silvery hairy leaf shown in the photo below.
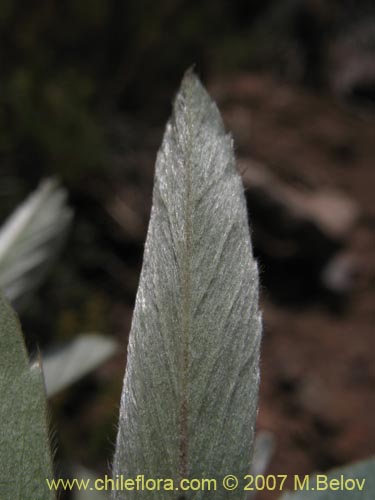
(87, 475)
(25, 459)
(264, 447)
(263, 450)
(64, 365)
(189, 400)
(30, 239)
(352, 482)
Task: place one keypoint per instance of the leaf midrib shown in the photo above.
(186, 308)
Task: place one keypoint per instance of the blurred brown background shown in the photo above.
(86, 88)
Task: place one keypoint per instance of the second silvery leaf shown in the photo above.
(189, 400)
(30, 239)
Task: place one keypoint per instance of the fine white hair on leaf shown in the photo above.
(189, 400)
(25, 456)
